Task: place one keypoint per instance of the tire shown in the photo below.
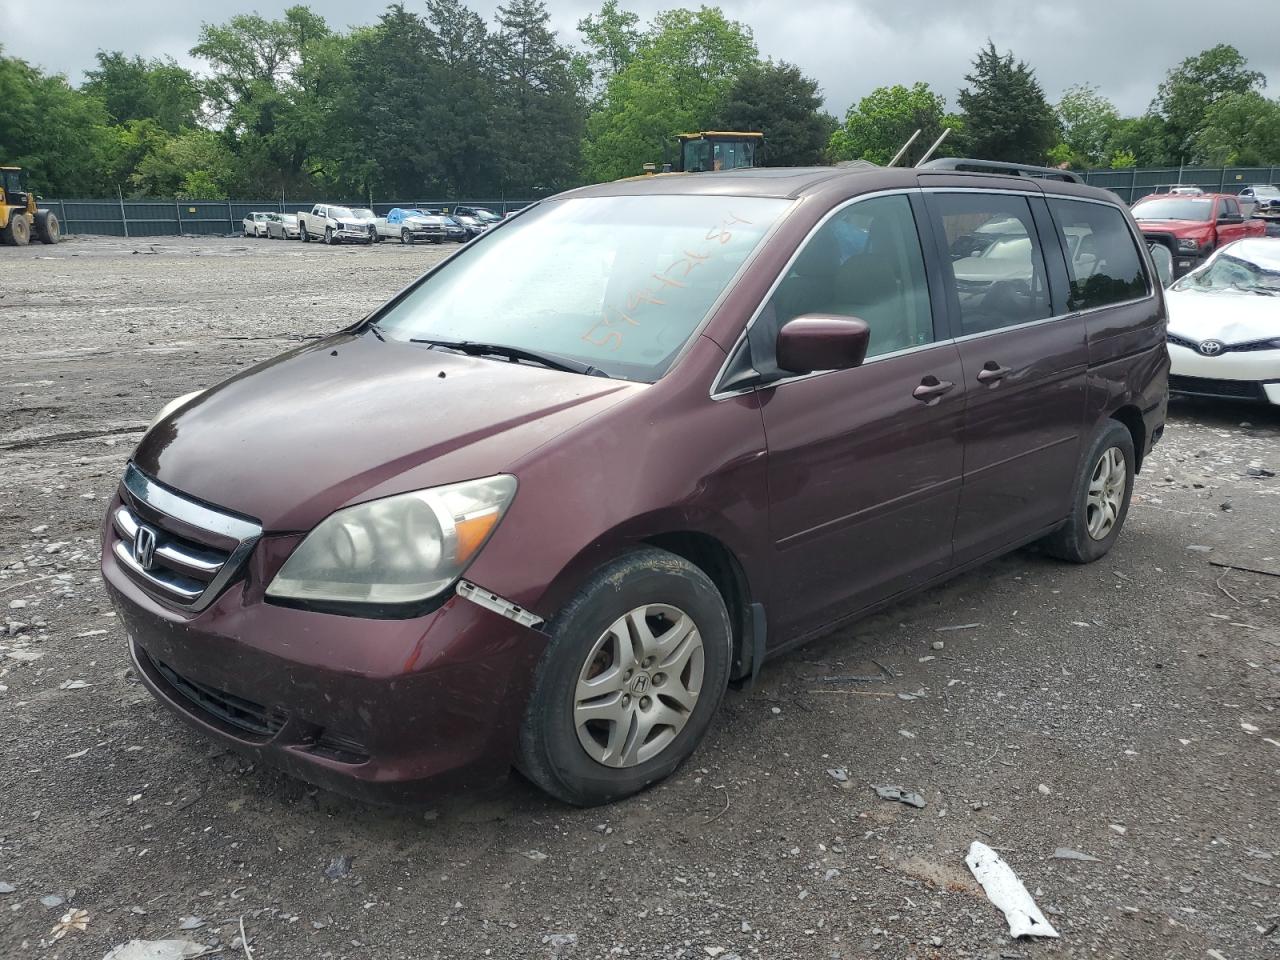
(595, 636)
(303, 235)
(405, 236)
(329, 238)
(47, 227)
(1086, 535)
(18, 232)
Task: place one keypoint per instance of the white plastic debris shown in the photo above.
(1005, 890)
(157, 950)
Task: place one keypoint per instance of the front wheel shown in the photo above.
(405, 236)
(637, 666)
(328, 236)
(1102, 492)
(303, 235)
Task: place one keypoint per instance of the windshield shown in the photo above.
(1182, 208)
(485, 215)
(619, 283)
(339, 212)
(362, 213)
(1265, 191)
(1232, 273)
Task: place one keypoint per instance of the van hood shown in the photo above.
(353, 418)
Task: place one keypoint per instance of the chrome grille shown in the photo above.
(189, 553)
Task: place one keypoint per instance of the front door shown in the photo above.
(864, 464)
(1024, 368)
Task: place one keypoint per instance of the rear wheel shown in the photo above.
(1101, 503)
(18, 232)
(636, 669)
(47, 227)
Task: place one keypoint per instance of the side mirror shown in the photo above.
(815, 342)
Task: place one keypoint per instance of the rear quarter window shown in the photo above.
(1103, 261)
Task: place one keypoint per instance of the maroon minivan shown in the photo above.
(543, 506)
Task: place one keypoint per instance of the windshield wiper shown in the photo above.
(553, 361)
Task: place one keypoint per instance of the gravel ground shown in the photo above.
(1126, 710)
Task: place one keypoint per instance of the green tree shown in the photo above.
(877, 126)
(1240, 129)
(253, 92)
(1088, 121)
(58, 134)
(384, 137)
(786, 106)
(612, 38)
(541, 104)
(135, 89)
(678, 81)
(1006, 115)
(462, 79)
(1194, 86)
(1145, 138)
(195, 165)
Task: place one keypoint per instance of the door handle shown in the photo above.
(931, 390)
(992, 372)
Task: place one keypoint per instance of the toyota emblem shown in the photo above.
(1211, 348)
(144, 546)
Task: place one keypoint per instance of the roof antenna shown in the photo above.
(898, 156)
(936, 144)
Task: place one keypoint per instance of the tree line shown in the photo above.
(438, 101)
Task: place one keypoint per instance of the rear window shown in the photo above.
(1103, 262)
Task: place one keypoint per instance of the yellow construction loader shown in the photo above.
(18, 213)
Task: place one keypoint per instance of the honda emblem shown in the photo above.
(144, 546)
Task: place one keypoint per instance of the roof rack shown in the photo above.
(964, 165)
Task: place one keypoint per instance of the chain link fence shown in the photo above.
(210, 218)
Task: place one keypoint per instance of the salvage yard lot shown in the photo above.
(1125, 710)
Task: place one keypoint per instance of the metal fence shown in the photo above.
(1134, 184)
(169, 218)
(172, 218)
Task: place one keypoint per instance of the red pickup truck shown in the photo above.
(1192, 227)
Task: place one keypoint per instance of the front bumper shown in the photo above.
(384, 710)
(1248, 375)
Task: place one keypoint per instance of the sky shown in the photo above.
(1124, 47)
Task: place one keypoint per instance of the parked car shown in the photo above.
(1260, 200)
(410, 226)
(545, 503)
(335, 224)
(483, 214)
(1224, 325)
(255, 224)
(1192, 227)
(471, 226)
(282, 226)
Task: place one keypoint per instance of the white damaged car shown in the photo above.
(1224, 324)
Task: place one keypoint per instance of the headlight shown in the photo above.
(400, 549)
(174, 405)
(1190, 244)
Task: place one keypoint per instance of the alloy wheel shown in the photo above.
(1106, 493)
(639, 685)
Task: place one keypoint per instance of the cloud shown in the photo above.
(850, 46)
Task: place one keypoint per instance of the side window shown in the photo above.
(1233, 208)
(1103, 263)
(996, 262)
(864, 262)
